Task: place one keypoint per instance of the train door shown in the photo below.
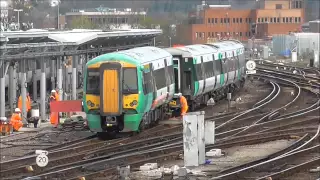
(238, 67)
(203, 72)
(177, 75)
(224, 68)
(110, 89)
(187, 85)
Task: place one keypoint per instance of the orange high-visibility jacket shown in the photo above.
(28, 103)
(54, 117)
(16, 121)
(184, 105)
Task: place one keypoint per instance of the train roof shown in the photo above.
(146, 54)
(191, 50)
(226, 45)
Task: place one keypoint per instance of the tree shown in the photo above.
(82, 22)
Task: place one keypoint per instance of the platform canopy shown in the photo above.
(76, 36)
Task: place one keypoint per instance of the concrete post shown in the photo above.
(209, 129)
(2, 90)
(194, 139)
(43, 90)
(23, 64)
(74, 77)
(34, 82)
(52, 71)
(59, 78)
(12, 87)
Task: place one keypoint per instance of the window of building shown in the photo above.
(284, 20)
(274, 20)
(240, 20)
(265, 19)
(240, 34)
(208, 20)
(237, 20)
(228, 20)
(221, 20)
(296, 19)
(225, 20)
(246, 34)
(258, 20)
(246, 20)
(234, 20)
(278, 20)
(290, 20)
(216, 20)
(299, 19)
(287, 19)
(212, 20)
(278, 6)
(262, 20)
(300, 4)
(271, 20)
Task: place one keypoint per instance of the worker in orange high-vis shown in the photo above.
(184, 105)
(28, 104)
(16, 120)
(54, 116)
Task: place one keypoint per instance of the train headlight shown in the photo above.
(89, 103)
(133, 103)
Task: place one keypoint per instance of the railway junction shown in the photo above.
(268, 130)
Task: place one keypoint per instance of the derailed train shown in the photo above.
(134, 89)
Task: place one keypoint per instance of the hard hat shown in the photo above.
(17, 110)
(53, 91)
(3, 118)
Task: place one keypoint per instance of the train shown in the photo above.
(134, 89)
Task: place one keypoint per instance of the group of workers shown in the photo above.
(16, 118)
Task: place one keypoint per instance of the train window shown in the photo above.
(130, 80)
(171, 74)
(217, 67)
(208, 69)
(160, 81)
(93, 82)
(147, 83)
(198, 71)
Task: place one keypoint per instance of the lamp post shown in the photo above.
(53, 4)
(18, 10)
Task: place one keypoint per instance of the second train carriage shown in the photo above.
(205, 71)
(128, 89)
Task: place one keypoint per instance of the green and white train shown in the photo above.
(135, 88)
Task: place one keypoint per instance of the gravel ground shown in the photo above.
(250, 94)
(21, 143)
(233, 157)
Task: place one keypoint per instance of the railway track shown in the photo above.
(100, 159)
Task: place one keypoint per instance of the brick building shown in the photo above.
(268, 18)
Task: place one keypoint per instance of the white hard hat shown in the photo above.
(17, 110)
(53, 91)
(3, 118)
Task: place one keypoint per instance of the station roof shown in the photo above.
(76, 36)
